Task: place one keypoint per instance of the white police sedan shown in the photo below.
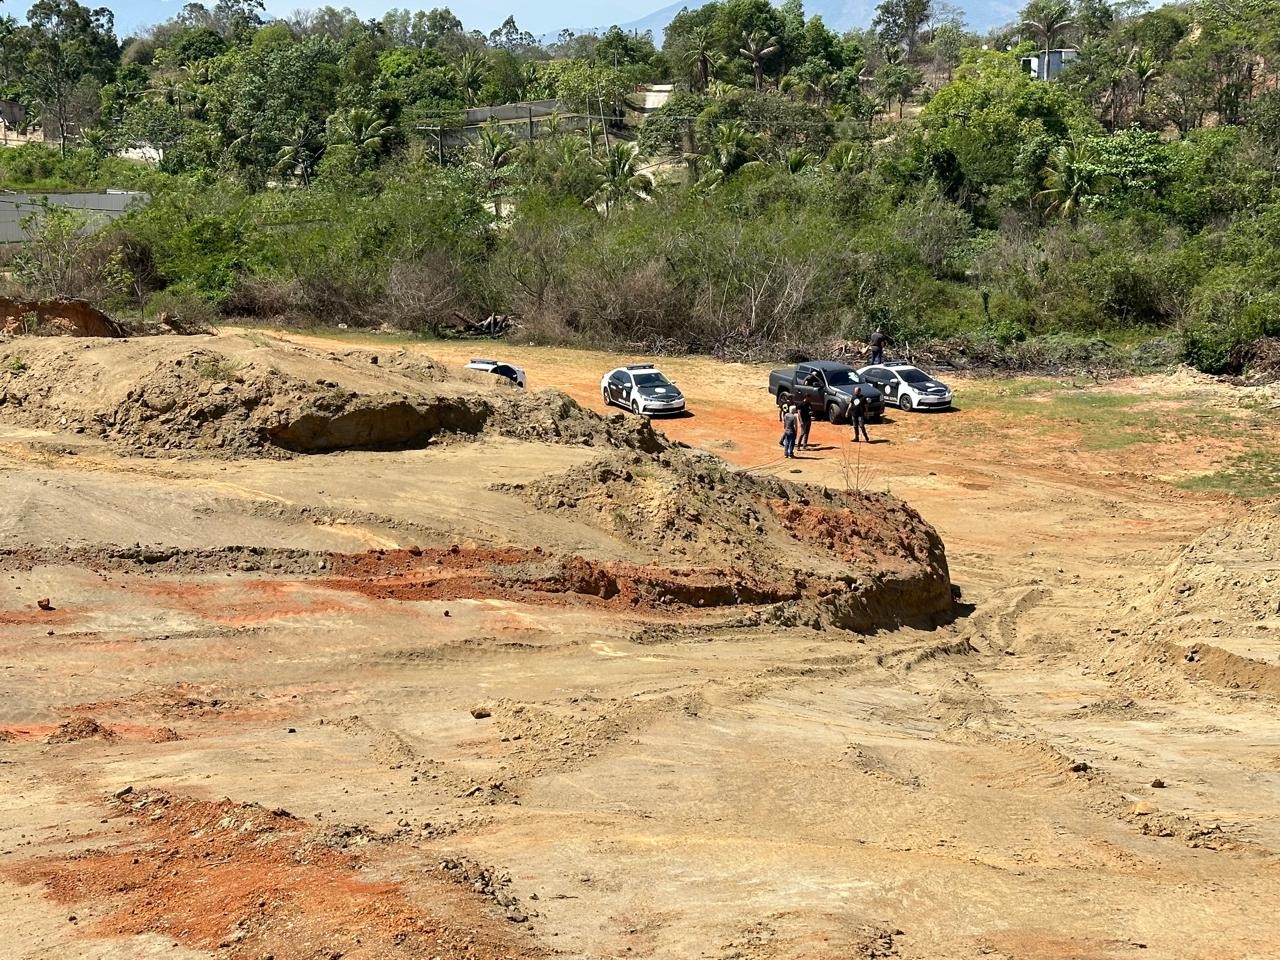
(642, 389)
(907, 386)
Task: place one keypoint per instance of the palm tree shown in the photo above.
(702, 55)
(362, 128)
(1053, 21)
(756, 49)
(844, 155)
(732, 146)
(496, 155)
(97, 140)
(619, 178)
(170, 88)
(1070, 178)
(798, 160)
(301, 152)
(718, 89)
(469, 74)
(824, 88)
(1145, 67)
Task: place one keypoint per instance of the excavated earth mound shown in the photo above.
(61, 316)
(253, 396)
(1216, 610)
(856, 560)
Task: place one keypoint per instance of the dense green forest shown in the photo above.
(799, 186)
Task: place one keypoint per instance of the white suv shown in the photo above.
(642, 389)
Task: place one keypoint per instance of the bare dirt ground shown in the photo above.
(541, 691)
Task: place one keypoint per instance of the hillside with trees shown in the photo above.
(799, 186)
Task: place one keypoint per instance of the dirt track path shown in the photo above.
(713, 789)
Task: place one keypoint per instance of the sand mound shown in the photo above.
(863, 560)
(252, 396)
(1230, 577)
(1215, 613)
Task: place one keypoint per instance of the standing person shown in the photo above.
(806, 423)
(782, 405)
(858, 415)
(790, 423)
(877, 341)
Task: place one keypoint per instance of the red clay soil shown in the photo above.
(251, 882)
(862, 537)
(460, 574)
(34, 615)
(383, 563)
(242, 602)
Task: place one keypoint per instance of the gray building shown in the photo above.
(99, 208)
(1042, 67)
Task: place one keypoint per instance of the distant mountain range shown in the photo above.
(838, 15)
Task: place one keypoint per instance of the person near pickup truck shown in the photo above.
(806, 424)
(858, 408)
(790, 424)
(878, 340)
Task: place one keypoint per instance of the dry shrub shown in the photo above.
(264, 297)
(423, 295)
(622, 302)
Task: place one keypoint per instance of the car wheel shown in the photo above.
(635, 407)
(833, 412)
(604, 395)
(904, 402)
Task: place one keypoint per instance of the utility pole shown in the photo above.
(604, 124)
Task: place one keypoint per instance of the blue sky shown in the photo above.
(538, 16)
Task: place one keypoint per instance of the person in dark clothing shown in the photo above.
(790, 424)
(878, 341)
(806, 423)
(858, 415)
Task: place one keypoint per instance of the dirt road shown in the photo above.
(267, 753)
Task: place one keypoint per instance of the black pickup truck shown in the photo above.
(826, 387)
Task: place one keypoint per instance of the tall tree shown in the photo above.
(756, 49)
(1145, 68)
(702, 55)
(496, 156)
(898, 22)
(1048, 21)
(68, 47)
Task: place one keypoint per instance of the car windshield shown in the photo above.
(913, 375)
(841, 378)
(652, 380)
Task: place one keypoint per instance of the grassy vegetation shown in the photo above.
(1252, 474)
(1105, 419)
(219, 370)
